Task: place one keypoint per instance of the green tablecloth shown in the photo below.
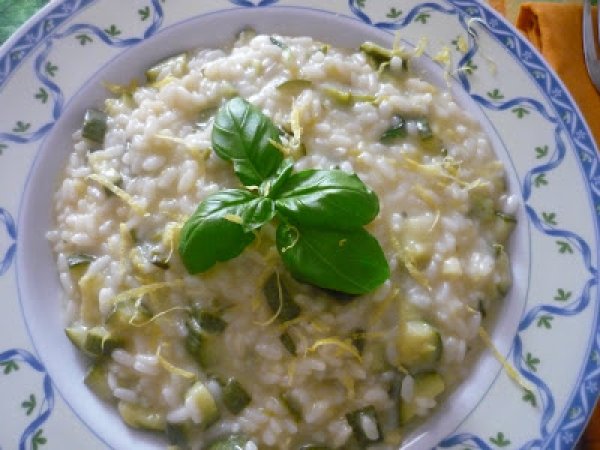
(14, 12)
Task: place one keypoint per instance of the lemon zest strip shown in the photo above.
(105, 182)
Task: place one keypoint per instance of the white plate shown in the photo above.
(547, 329)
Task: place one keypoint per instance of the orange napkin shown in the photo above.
(555, 29)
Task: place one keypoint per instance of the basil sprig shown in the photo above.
(320, 213)
(243, 135)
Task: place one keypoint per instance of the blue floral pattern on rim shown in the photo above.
(32, 435)
(556, 432)
(11, 231)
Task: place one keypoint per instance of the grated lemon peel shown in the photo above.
(473, 33)
(462, 44)
(294, 242)
(348, 383)
(440, 171)
(146, 289)
(120, 89)
(296, 125)
(291, 372)
(163, 82)
(425, 195)
(420, 47)
(279, 146)
(171, 367)
(344, 345)
(125, 243)
(436, 220)
(158, 316)
(444, 57)
(415, 273)
(233, 218)
(510, 370)
(382, 306)
(170, 237)
(127, 198)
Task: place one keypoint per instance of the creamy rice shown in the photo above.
(444, 218)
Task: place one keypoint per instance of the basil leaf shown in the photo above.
(272, 186)
(242, 134)
(221, 228)
(327, 199)
(346, 261)
(204, 242)
(238, 205)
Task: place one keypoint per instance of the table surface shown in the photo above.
(13, 13)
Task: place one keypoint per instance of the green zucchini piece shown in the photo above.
(429, 385)
(339, 96)
(96, 341)
(199, 397)
(209, 322)
(232, 442)
(151, 253)
(279, 299)
(365, 426)
(79, 259)
(395, 387)
(137, 416)
(504, 225)
(419, 345)
(509, 218)
(358, 339)
(78, 264)
(126, 313)
(396, 130)
(378, 54)
(375, 357)
(200, 345)
(278, 43)
(96, 380)
(292, 405)
(482, 207)
(77, 336)
(423, 129)
(314, 447)
(159, 261)
(294, 87)
(178, 435)
(180, 60)
(235, 397)
(94, 126)
(347, 98)
(407, 412)
(288, 343)
(101, 342)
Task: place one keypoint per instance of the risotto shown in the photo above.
(230, 328)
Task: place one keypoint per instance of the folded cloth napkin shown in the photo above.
(555, 29)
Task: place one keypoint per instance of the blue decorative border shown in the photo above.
(563, 116)
(11, 230)
(43, 33)
(29, 434)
